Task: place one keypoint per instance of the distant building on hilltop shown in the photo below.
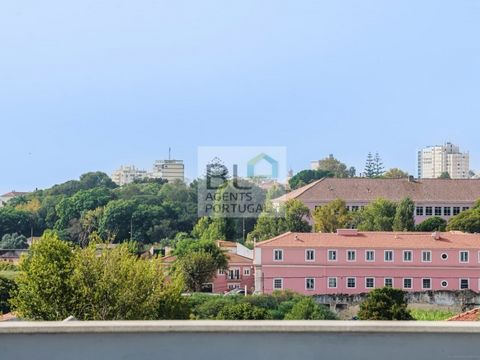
(127, 174)
(9, 196)
(433, 161)
(170, 170)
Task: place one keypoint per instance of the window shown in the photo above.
(310, 255)
(332, 282)
(465, 208)
(332, 255)
(277, 284)
(429, 211)
(388, 255)
(407, 283)
(456, 210)
(407, 255)
(278, 255)
(233, 286)
(464, 284)
(388, 282)
(426, 256)
(438, 211)
(246, 272)
(444, 283)
(444, 256)
(447, 211)
(351, 283)
(310, 283)
(221, 272)
(464, 256)
(426, 283)
(419, 210)
(351, 255)
(369, 255)
(355, 208)
(234, 274)
(369, 282)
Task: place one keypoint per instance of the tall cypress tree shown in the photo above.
(378, 168)
(369, 166)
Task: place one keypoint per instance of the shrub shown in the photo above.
(385, 304)
(243, 311)
(7, 288)
(308, 309)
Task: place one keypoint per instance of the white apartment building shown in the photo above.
(127, 174)
(170, 170)
(435, 160)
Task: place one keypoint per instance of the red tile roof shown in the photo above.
(238, 259)
(14, 193)
(394, 240)
(472, 315)
(366, 190)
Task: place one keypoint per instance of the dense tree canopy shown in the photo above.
(332, 216)
(13, 241)
(306, 177)
(377, 216)
(434, 223)
(404, 216)
(335, 167)
(385, 304)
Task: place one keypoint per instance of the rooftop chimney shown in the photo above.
(347, 232)
(436, 235)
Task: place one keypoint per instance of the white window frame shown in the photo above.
(346, 282)
(328, 282)
(429, 257)
(332, 251)
(246, 272)
(370, 277)
(366, 257)
(460, 283)
(429, 288)
(385, 255)
(354, 252)
(442, 284)
(385, 281)
(411, 255)
(306, 282)
(306, 254)
(281, 282)
(460, 256)
(411, 283)
(275, 253)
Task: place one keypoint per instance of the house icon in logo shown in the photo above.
(259, 158)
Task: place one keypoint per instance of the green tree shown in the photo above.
(7, 288)
(385, 304)
(330, 217)
(15, 221)
(13, 241)
(444, 175)
(306, 177)
(369, 170)
(467, 221)
(395, 173)
(196, 269)
(335, 167)
(377, 216)
(186, 247)
(270, 224)
(44, 292)
(378, 166)
(308, 309)
(243, 311)
(116, 285)
(404, 216)
(434, 223)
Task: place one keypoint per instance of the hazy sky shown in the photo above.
(93, 84)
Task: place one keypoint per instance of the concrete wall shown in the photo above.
(239, 340)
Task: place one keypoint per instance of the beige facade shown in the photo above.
(435, 160)
(127, 174)
(170, 170)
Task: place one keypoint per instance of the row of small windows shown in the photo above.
(439, 210)
(388, 255)
(351, 283)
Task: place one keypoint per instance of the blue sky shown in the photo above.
(93, 84)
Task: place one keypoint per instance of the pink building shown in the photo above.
(432, 197)
(240, 272)
(351, 262)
